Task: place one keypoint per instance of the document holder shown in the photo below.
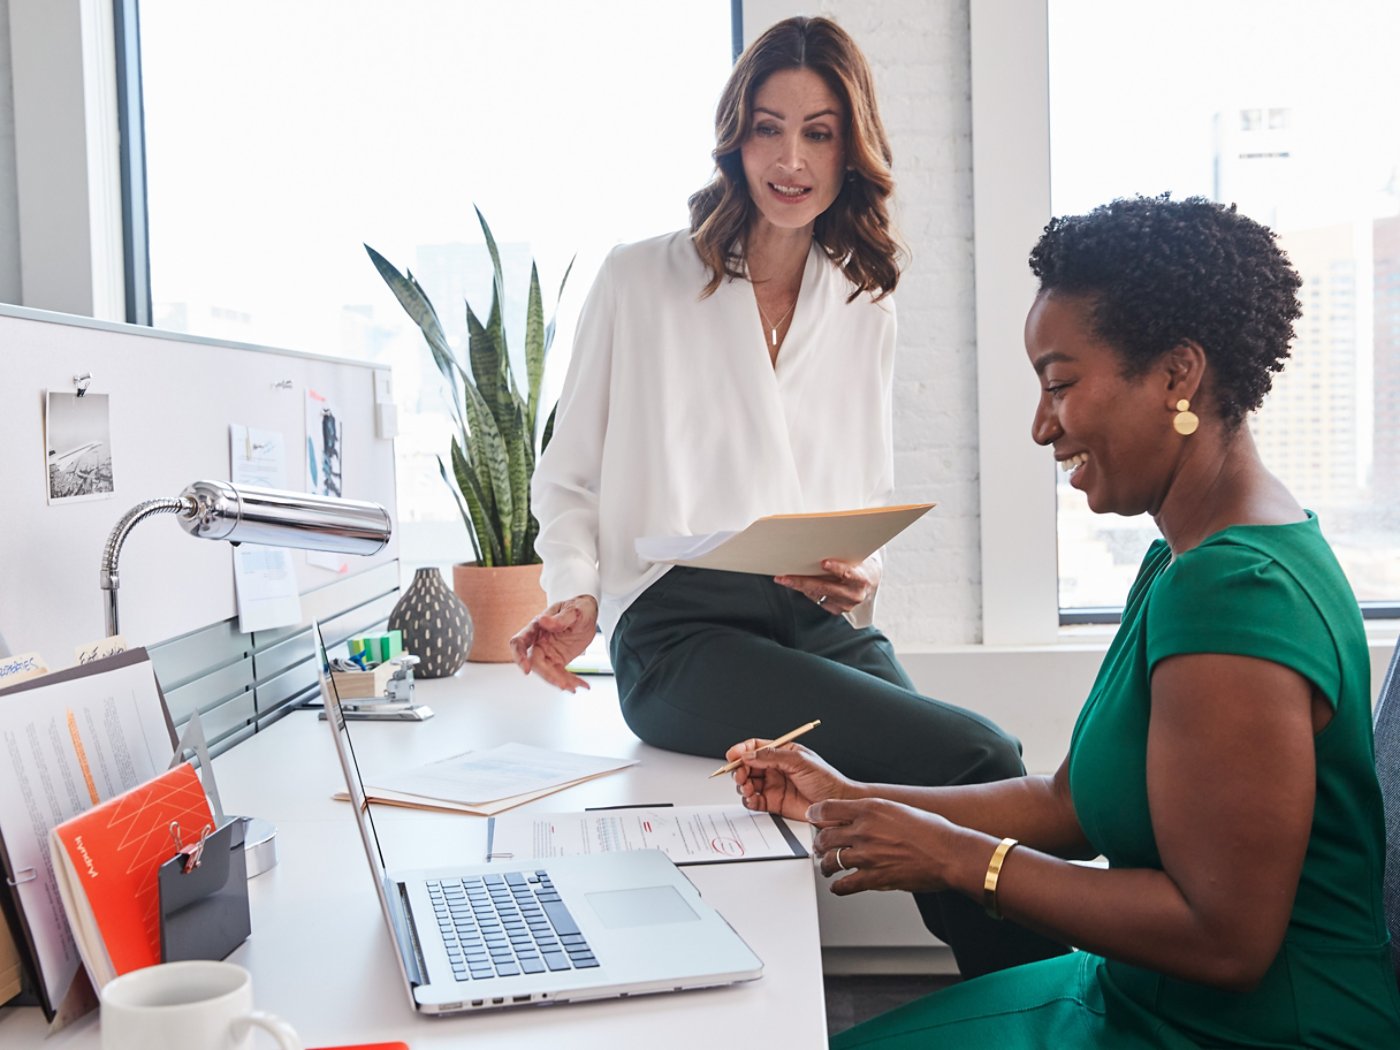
(204, 897)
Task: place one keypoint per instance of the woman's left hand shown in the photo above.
(886, 845)
(845, 585)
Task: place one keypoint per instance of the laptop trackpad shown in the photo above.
(652, 906)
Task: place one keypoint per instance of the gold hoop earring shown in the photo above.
(1185, 421)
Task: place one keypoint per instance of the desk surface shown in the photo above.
(320, 953)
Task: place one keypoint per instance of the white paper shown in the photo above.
(680, 548)
(497, 773)
(264, 578)
(687, 834)
(64, 746)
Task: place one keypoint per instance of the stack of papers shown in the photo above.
(490, 781)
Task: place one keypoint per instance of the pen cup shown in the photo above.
(180, 1005)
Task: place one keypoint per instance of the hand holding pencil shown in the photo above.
(787, 781)
(786, 738)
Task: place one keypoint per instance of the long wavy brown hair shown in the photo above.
(855, 232)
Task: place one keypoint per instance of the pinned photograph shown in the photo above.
(78, 437)
(323, 433)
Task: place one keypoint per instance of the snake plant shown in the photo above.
(493, 451)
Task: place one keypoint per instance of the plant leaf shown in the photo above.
(521, 452)
(534, 349)
(486, 353)
(493, 449)
(548, 428)
(494, 323)
(457, 488)
(488, 545)
(420, 310)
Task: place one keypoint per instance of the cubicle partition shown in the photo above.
(240, 682)
(169, 402)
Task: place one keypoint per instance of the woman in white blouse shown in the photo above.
(737, 369)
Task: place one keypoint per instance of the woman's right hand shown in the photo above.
(786, 780)
(556, 636)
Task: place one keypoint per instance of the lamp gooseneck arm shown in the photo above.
(109, 578)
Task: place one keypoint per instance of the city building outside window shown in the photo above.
(1285, 108)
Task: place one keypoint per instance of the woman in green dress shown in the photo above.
(1222, 762)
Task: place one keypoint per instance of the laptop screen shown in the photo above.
(354, 784)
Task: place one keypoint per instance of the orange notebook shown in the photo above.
(106, 861)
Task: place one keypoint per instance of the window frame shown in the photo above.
(1011, 205)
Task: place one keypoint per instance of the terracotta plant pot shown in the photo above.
(501, 601)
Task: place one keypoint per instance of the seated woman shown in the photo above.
(1223, 760)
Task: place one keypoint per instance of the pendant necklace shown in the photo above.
(773, 328)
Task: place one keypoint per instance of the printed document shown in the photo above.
(497, 773)
(68, 741)
(264, 578)
(686, 834)
(787, 544)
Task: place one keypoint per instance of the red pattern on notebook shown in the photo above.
(116, 849)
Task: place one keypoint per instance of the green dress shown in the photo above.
(1273, 592)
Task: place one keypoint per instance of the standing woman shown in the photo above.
(741, 368)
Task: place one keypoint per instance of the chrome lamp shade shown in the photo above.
(218, 510)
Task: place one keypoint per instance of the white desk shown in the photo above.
(320, 953)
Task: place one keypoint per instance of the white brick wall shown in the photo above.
(919, 50)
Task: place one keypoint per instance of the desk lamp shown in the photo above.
(217, 510)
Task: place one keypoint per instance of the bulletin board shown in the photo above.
(170, 399)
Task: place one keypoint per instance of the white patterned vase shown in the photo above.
(435, 624)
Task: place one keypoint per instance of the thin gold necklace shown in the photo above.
(773, 328)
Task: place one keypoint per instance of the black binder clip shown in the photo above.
(204, 895)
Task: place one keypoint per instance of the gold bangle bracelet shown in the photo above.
(989, 884)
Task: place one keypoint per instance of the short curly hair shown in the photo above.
(1158, 272)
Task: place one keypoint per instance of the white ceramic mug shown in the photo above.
(182, 1005)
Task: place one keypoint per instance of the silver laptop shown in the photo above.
(563, 929)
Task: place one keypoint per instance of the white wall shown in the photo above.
(919, 52)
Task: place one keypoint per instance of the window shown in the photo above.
(1289, 112)
(1012, 160)
(281, 136)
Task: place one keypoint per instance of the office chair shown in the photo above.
(1387, 728)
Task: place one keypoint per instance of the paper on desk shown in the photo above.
(686, 834)
(787, 544)
(480, 809)
(264, 579)
(497, 773)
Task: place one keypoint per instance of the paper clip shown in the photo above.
(191, 855)
(23, 875)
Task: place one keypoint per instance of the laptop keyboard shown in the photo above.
(506, 925)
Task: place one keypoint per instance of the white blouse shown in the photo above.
(673, 420)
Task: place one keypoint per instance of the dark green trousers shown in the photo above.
(704, 659)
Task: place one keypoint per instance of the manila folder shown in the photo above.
(788, 544)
